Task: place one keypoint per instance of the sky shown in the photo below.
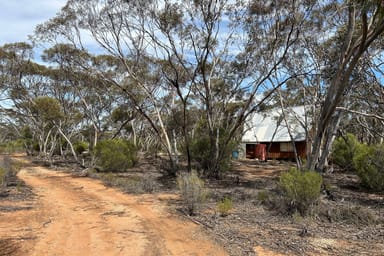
(18, 18)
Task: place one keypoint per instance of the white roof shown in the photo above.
(269, 126)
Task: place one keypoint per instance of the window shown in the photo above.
(286, 147)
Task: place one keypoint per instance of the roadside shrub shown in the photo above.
(369, 165)
(148, 184)
(224, 206)
(192, 190)
(301, 189)
(8, 171)
(12, 147)
(131, 184)
(115, 155)
(344, 150)
(80, 147)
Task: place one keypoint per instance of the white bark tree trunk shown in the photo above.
(69, 142)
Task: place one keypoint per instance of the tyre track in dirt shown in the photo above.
(80, 216)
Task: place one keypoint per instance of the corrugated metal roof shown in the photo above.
(269, 126)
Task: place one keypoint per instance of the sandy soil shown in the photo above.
(71, 215)
(80, 216)
(351, 222)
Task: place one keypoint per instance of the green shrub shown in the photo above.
(80, 147)
(224, 206)
(203, 152)
(200, 151)
(115, 155)
(263, 196)
(369, 165)
(192, 190)
(344, 150)
(12, 147)
(367, 161)
(301, 189)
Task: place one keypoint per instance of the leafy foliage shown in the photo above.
(153, 81)
(263, 196)
(80, 147)
(115, 155)
(344, 150)
(200, 150)
(369, 163)
(205, 152)
(366, 160)
(192, 190)
(224, 206)
(301, 189)
(47, 108)
(12, 146)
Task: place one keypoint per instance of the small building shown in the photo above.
(266, 134)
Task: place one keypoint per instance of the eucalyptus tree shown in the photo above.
(210, 54)
(249, 61)
(86, 82)
(21, 81)
(110, 24)
(45, 112)
(339, 44)
(366, 113)
(354, 27)
(364, 107)
(25, 85)
(77, 84)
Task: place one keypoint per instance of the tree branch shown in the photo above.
(360, 113)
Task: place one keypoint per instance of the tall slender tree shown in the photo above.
(191, 51)
(353, 37)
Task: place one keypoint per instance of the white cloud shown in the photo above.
(19, 18)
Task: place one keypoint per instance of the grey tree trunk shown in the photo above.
(329, 139)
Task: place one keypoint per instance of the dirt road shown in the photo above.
(80, 216)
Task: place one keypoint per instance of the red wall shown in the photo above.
(274, 151)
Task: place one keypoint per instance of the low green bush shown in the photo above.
(369, 165)
(366, 160)
(224, 206)
(193, 191)
(200, 151)
(80, 147)
(301, 189)
(115, 155)
(204, 153)
(263, 196)
(12, 147)
(344, 150)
